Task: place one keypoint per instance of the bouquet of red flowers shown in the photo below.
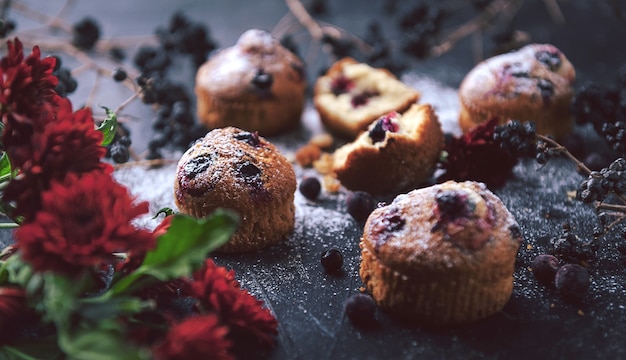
(80, 279)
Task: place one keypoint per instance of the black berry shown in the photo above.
(360, 205)
(361, 310)
(85, 33)
(544, 268)
(332, 260)
(310, 188)
(119, 74)
(573, 281)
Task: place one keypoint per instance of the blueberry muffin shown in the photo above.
(256, 85)
(441, 255)
(534, 83)
(351, 95)
(396, 153)
(239, 170)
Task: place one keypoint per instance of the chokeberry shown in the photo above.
(85, 33)
(544, 268)
(310, 188)
(119, 74)
(360, 205)
(332, 260)
(573, 281)
(361, 310)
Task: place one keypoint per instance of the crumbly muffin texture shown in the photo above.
(239, 170)
(351, 95)
(534, 83)
(397, 153)
(441, 255)
(256, 85)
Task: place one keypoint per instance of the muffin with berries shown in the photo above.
(534, 83)
(239, 170)
(441, 255)
(256, 85)
(351, 95)
(396, 153)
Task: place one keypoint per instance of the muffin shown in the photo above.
(396, 153)
(239, 170)
(256, 85)
(441, 255)
(351, 95)
(534, 83)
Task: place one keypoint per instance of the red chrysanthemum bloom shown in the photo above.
(68, 143)
(13, 311)
(476, 156)
(26, 84)
(217, 289)
(198, 337)
(83, 220)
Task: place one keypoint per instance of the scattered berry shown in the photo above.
(544, 268)
(361, 310)
(571, 248)
(573, 281)
(310, 188)
(332, 260)
(599, 184)
(360, 205)
(6, 27)
(119, 74)
(516, 137)
(85, 33)
(119, 152)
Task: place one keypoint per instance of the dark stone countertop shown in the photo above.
(536, 323)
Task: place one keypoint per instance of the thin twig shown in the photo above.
(563, 150)
(555, 11)
(479, 22)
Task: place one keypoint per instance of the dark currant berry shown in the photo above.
(6, 27)
(262, 80)
(251, 138)
(573, 281)
(119, 153)
(361, 310)
(119, 74)
(117, 53)
(332, 260)
(550, 59)
(85, 33)
(360, 205)
(377, 134)
(341, 85)
(310, 188)
(544, 268)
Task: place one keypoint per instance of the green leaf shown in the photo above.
(181, 250)
(108, 127)
(98, 308)
(6, 170)
(106, 341)
(166, 210)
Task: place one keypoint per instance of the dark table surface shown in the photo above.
(537, 322)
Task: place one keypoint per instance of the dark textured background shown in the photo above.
(288, 277)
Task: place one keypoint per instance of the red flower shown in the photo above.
(218, 290)
(68, 143)
(198, 337)
(13, 312)
(476, 156)
(26, 85)
(82, 221)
